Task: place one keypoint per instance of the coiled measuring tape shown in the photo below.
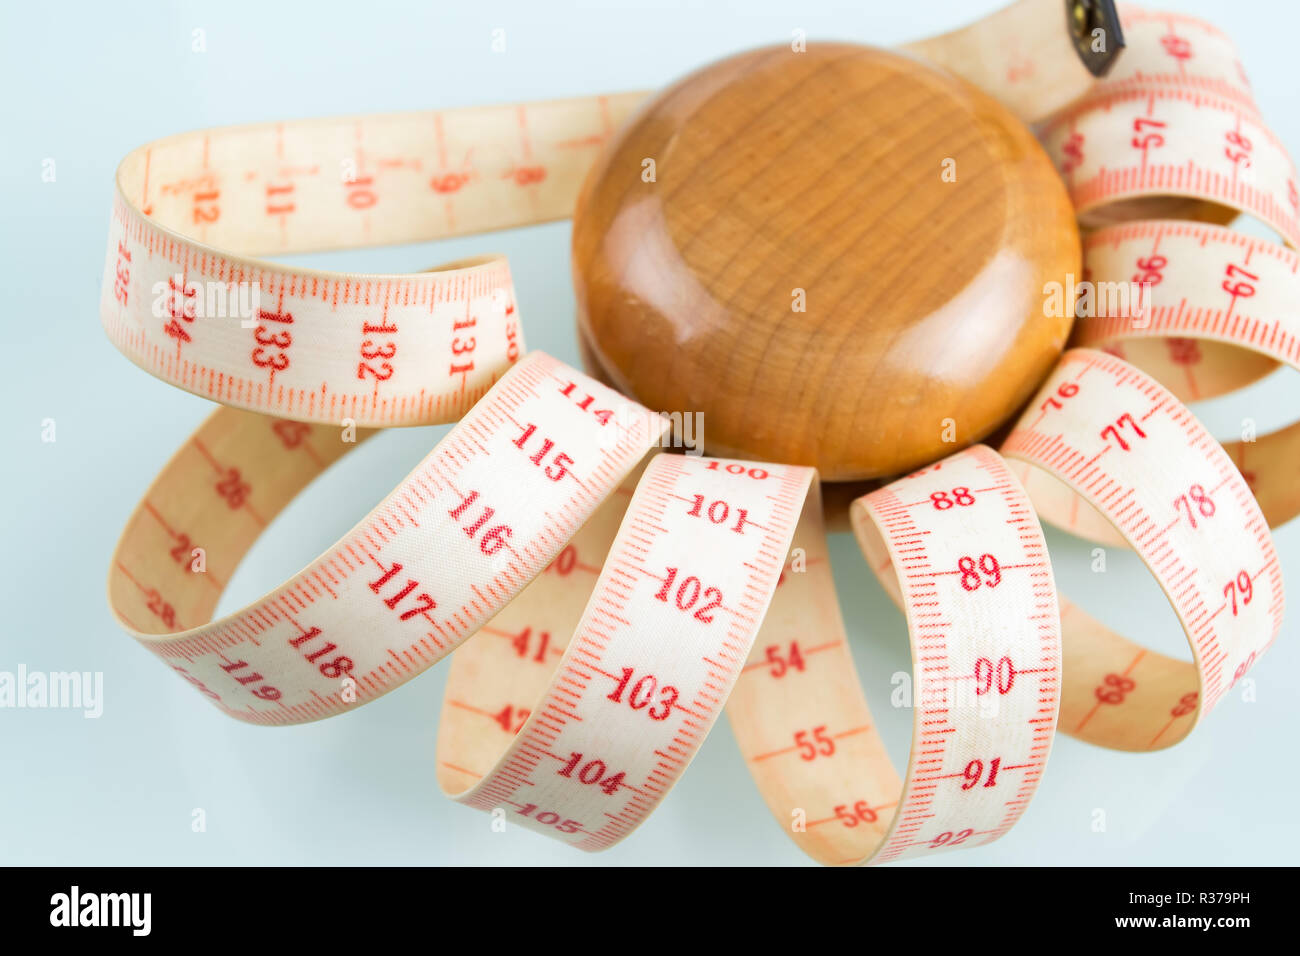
(617, 603)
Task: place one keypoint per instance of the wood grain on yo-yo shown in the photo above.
(823, 171)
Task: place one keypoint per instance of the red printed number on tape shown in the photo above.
(1221, 312)
(1118, 446)
(482, 515)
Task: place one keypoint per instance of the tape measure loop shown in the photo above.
(483, 514)
(1116, 439)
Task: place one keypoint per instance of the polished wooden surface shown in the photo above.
(824, 171)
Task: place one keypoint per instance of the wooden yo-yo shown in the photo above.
(837, 255)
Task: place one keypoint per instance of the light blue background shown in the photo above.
(85, 82)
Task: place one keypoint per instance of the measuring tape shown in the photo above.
(965, 538)
(1179, 133)
(1196, 147)
(1136, 456)
(379, 350)
(619, 598)
(1233, 293)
